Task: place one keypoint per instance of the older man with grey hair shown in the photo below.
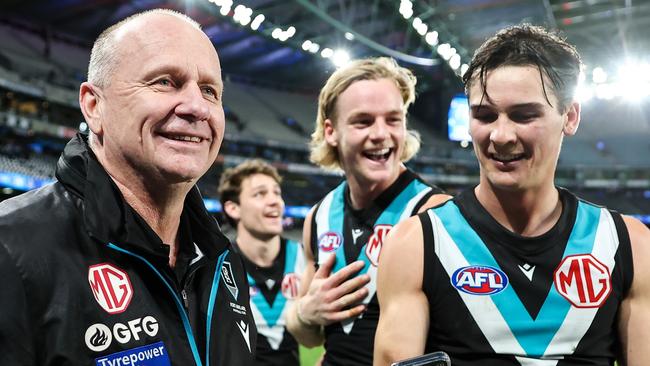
(119, 262)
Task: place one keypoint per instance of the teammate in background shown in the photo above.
(516, 270)
(252, 201)
(119, 262)
(360, 129)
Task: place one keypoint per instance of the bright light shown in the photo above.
(416, 22)
(463, 69)
(349, 36)
(432, 38)
(598, 75)
(454, 62)
(464, 144)
(306, 44)
(326, 52)
(257, 21)
(83, 127)
(340, 58)
(408, 13)
(277, 32)
(422, 29)
(605, 91)
(314, 47)
(444, 50)
(291, 31)
(225, 10)
(584, 93)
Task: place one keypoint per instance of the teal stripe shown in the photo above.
(179, 304)
(290, 256)
(534, 335)
(337, 209)
(213, 297)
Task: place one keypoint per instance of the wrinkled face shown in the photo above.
(369, 131)
(517, 135)
(161, 114)
(260, 206)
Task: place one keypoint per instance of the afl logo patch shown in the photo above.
(479, 280)
(111, 287)
(329, 242)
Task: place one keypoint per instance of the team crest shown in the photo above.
(376, 240)
(229, 279)
(583, 280)
(111, 287)
(330, 241)
(290, 284)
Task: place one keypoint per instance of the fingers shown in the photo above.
(325, 268)
(353, 298)
(346, 272)
(336, 317)
(349, 286)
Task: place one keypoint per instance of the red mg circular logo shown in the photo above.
(111, 287)
(583, 280)
(329, 242)
(290, 286)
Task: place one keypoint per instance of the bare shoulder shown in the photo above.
(435, 200)
(403, 248)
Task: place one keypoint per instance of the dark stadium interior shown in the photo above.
(272, 82)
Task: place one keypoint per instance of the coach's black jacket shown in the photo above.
(85, 281)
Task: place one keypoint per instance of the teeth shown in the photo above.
(379, 152)
(187, 138)
(507, 157)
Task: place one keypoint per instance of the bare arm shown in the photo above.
(404, 315)
(635, 309)
(324, 297)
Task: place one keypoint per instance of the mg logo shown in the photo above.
(111, 287)
(290, 285)
(583, 280)
(373, 248)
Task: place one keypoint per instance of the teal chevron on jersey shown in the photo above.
(533, 335)
(272, 312)
(398, 209)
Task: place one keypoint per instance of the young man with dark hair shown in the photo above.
(518, 271)
(252, 201)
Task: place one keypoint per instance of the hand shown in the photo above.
(329, 296)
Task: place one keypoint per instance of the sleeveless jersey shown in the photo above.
(498, 298)
(353, 235)
(272, 291)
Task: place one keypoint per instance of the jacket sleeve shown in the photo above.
(16, 340)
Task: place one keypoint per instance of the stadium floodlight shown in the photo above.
(257, 21)
(306, 45)
(327, 52)
(225, 10)
(422, 29)
(605, 91)
(432, 38)
(277, 32)
(291, 31)
(349, 36)
(454, 62)
(416, 22)
(314, 47)
(584, 93)
(463, 69)
(340, 57)
(444, 50)
(598, 75)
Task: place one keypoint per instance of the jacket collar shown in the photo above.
(108, 218)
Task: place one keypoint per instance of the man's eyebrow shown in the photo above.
(532, 105)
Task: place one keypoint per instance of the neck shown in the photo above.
(526, 212)
(363, 193)
(260, 250)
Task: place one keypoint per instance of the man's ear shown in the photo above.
(90, 102)
(572, 119)
(331, 136)
(232, 210)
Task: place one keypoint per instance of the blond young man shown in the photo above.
(361, 130)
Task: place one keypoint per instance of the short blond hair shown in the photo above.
(325, 155)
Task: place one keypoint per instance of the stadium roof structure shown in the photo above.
(286, 45)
